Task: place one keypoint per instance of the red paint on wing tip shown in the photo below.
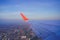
(24, 17)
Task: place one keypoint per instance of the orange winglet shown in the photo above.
(24, 17)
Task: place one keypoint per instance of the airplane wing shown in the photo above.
(24, 17)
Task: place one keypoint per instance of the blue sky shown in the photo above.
(33, 9)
